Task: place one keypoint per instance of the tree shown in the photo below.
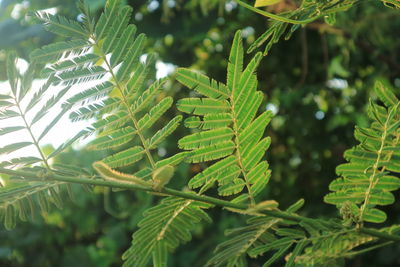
(229, 132)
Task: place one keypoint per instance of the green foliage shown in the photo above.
(227, 145)
(167, 225)
(286, 23)
(237, 142)
(372, 168)
(125, 97)
(22, 197)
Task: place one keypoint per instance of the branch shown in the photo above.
(277, 17)
(187, 195)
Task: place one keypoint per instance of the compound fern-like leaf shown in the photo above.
(370, 175)
(229, 129)
(167, 224)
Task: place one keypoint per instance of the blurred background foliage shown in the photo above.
(317, 83)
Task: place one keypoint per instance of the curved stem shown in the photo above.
(192, 196)
(285, 19)
(276, 17)
(368, 249)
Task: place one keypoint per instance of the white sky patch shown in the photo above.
(18, 8)
(51, 10)
(319, 115)
(273, 108)
(337, 83)
(229, 6)
(164, 69)
(153, 5)
(143, 58)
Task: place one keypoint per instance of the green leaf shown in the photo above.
(228, 175)
(21, 198)
(163, 133)
(171, 222)
(212, 152)
(173, 160)
(68, 143)
(193, 122)
(247, 82)
(145, 100)
(113, 139)
(48, 105)
(83, 61)
(105, 21)
(61, 25)
(136, 81)
(235, 65)
(112, 122)
(22, 161)
(9, 218)
(160, 255)
(259, 183)
(210, 121)
(249, 110)
(202, 106)
(262, 3)
(155, 113)
(13, 147)
(212, 172)
(206, 138)
(91, 110)
(3, 97)
(5, 104)
(385, 94)
(289, 232)
(279, 243)
(92, 94)
(253, 155)
(54, 51)
(257, 171)
(277, 255)
(234, 187)
(119, 24)
(125, 158)
(123, 45)
(386, 183)
(131, 58)
(340, 197)
(52, 124)
(240, 241)
(255, 130)
(12, 129)
(27, 80)
(12, 72)
(37, 96)
(374, 216)
(202, 84)
(296, 206)
(7, 114)
(79, 75)
(213, 121)
(296, 251)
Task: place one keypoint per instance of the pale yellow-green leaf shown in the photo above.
(262, 3)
